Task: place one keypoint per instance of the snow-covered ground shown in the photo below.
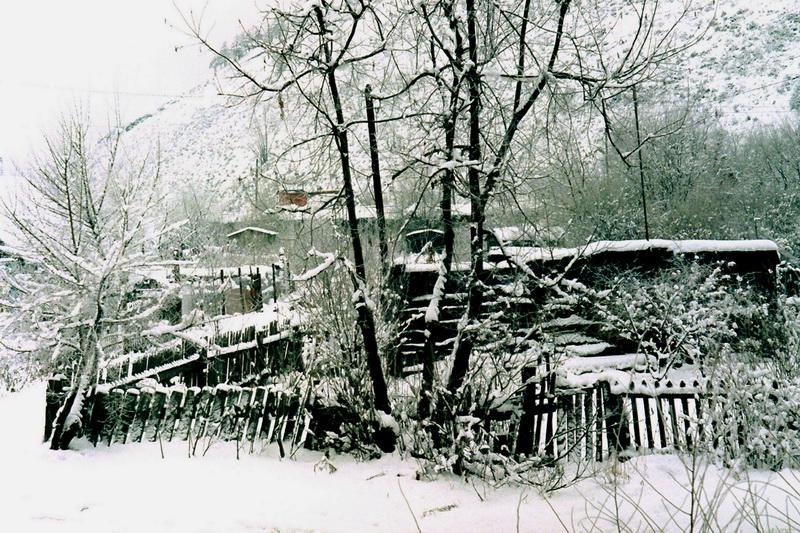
(131, 488)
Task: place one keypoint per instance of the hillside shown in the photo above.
(209, 142)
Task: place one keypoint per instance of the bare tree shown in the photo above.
(307, 50)
(468, 85)
(524, 57)
(86, 227)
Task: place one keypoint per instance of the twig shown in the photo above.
(519, 504)
(410, 510)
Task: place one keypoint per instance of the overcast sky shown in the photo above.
(56, 53)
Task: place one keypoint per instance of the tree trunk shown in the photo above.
(464, 342)
(366, 321)
(432, 315)
(377, 188)
(69, 419)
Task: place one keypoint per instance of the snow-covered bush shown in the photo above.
(87, 225)
(756, 414)
(756, 403)
(679, 315)
(334, 356)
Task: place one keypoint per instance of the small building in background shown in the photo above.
(253, 237)
(293, 197)
(417, 241)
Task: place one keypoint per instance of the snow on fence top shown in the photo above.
(529, 254)
(279, 313)
(628, 374)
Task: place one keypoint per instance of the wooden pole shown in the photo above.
(274, 287)
(222, 285)
(258, 290)
(241, 289)
(641, 163)
(376, 178)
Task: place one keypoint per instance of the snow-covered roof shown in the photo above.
(530, 254)
(424, 231)
(508, 233)
(253, 229)
(526, 254)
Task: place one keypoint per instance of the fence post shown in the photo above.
(616, 425)
(54, 397)
(524, 444)
(274, 287)
(258, 294)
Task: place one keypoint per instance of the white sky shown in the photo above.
(59, 53)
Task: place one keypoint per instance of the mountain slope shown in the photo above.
(745, 69)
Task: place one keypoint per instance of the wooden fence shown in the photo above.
(243, 357)
(592, 423)
(249, 415)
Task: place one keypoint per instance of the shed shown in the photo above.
(253, 235)
(417, 240)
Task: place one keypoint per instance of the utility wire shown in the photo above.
(98, 91)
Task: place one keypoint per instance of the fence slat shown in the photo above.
(127, 412)
(203, 408)
(154, 421)
(527, 422)
(256, 415)
(172, 414)
(142, 409)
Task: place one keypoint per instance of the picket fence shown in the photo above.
(592, 424)
(250, 415)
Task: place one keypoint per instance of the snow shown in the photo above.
(520, 255)
(582, 365)
(328, 260)
(424, 232)
(10, 188)
(251, 228)
(528, 254)
(130, 488)
(432, 313)
(586, 350)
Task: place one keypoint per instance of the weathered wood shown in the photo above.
(140, 418)
(203, 408)
(601, 443)
(126, 414)
(215, 416)
(155, 419)
(187, 424)
(616, 421)
(527, 423)
(228, 418)
(114, 404)
(256, 413)
(99, 416)
(272, 411)
(243, 408)
(55, 395)
(172, 414)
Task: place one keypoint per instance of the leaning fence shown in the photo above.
(593, 423)
(252, 416)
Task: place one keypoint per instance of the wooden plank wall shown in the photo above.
(254, 416)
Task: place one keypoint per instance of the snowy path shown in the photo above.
(130, 488)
